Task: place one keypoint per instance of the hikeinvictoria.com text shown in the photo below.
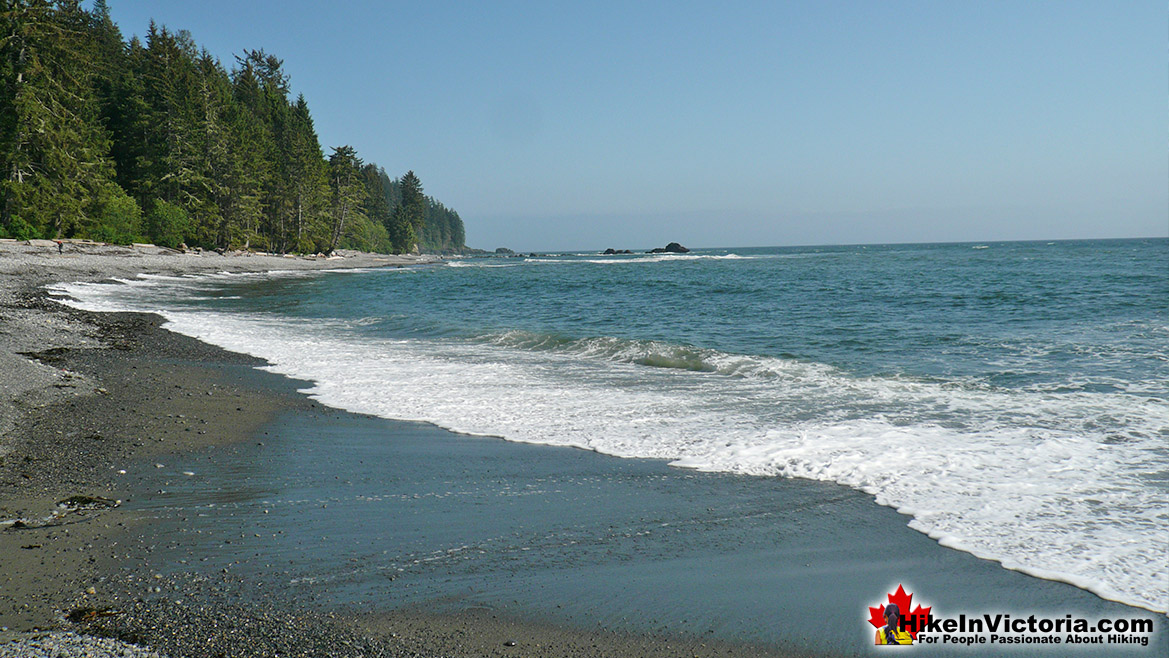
(1005, 629)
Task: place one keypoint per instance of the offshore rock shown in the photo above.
(672, 248)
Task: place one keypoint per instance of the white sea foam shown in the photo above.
(480, 263)
(636, 259)
(617, 259)
(1055, 484)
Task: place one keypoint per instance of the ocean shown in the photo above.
(1010, 399)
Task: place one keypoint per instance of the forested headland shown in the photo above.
(155, 140)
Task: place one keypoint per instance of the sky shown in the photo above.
(584, 125)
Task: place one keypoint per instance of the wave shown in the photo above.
(1059, 484)
(652, 353)
(634, 259)
(623, 259)
(479, 263)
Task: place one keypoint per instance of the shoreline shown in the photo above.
(93, 394)
(104, 392)
(87, 394)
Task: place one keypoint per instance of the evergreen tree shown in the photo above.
(126, 115)
(269, 103)
(170, 159)
(308, 177)
(223, 181)
(374, 204)
(110, 64)
(347, 190)
(53, 149)
(156, 140)
(410, 215)
(257, 150)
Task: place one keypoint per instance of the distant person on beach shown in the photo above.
(891, 634)
(60, 246)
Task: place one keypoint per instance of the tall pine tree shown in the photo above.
(154, 139)
(347, 190)
(410, 215)
(307, 176)
(53, 149)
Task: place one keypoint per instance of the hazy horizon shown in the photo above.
(554, 127)
(642, 249)
(846, 227)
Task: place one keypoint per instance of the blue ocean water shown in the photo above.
(1013, 398)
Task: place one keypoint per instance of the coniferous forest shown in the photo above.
(155, 140)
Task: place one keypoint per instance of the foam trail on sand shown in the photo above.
(949, 453)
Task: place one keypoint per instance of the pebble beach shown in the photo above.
(88, 395)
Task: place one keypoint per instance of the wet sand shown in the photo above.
(87, 396)
(385, 520)
(785, 568)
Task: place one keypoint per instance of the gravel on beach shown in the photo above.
(55, 645)
(82, 395)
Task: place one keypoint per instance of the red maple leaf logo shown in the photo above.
(902, 600)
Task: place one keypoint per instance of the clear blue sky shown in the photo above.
(552, 125)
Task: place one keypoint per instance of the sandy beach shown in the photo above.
(89, 396)
(120, 437)
(451, 330)
(85, 394)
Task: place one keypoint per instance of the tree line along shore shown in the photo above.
(156, 141)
